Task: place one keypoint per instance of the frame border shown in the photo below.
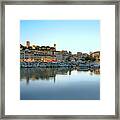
(2, 60)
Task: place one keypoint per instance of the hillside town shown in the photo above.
(46, 56)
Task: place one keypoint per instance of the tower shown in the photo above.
(27, 44)
(55, 46)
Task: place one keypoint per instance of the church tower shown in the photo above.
(55, 46)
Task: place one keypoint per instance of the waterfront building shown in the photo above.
(30, 56)
(95, 55)
(84, 55)
(79, 55)
(58, 55)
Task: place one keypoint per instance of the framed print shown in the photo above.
(60, 59)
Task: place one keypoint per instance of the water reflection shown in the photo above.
(50, 73)
(59, 84)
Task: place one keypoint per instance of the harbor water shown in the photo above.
(59, 84)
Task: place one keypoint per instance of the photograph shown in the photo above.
(59, 59)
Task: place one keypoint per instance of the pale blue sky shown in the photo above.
(70, 35)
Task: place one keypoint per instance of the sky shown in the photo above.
(71, 35)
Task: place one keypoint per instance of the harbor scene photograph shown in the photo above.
(59, 60)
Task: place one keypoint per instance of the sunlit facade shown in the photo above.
(50, 54)
(39, 53)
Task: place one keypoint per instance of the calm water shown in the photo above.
(59, 84)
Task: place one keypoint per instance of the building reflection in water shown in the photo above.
(50, 73)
